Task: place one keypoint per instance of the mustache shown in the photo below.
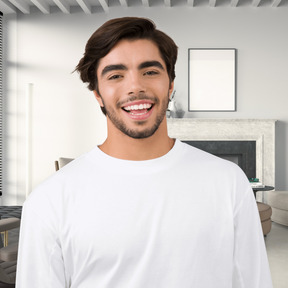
(140, 96)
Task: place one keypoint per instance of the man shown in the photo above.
(142, 210)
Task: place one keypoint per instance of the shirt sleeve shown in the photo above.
(40, 261)
(251, 268)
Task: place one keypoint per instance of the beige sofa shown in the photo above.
(278, 200)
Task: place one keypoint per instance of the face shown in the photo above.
(134, 88)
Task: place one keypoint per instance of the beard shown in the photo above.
(137, 133)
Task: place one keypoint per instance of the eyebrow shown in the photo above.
(148, 64)
(143, 65)
(112, 68)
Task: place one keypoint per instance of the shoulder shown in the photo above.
(57, 188)
(196, 156)
(214, 172)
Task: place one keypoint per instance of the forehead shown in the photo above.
(131, 52)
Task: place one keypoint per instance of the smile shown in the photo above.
(138, 108)
(139, 111)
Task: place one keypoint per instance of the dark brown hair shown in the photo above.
(110, 33)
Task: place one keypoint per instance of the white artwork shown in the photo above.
(212, 80)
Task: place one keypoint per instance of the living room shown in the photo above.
(49, 113)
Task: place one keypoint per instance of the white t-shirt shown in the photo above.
(187, 219)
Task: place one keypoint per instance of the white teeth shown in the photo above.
(138, 107)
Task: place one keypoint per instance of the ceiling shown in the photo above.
(93, 6)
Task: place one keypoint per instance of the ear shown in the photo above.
(171, 88)
(98, 98)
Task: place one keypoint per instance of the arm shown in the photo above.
(251, 268)
(40, 262)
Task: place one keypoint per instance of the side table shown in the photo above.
(265, 188)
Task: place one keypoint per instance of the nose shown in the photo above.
(136, 84)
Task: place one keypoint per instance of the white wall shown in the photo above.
(44, 49)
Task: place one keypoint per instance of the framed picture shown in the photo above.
(212, 79)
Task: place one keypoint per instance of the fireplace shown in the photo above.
(242, 153)
(256, 132)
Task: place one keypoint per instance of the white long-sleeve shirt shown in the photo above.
(184, 220)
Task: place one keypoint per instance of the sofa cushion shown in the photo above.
(277, 199)
(64, 161)
(10, 212)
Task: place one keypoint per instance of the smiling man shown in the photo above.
(141, 210)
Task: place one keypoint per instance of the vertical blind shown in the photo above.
(1, 102)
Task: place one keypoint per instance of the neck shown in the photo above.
(121, 146)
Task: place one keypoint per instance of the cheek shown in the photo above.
(107, 91)
(162, 90)
(110, 94)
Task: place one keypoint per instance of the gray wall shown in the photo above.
(44, 49)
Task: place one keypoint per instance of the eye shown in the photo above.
(114, 77)
(151, 72)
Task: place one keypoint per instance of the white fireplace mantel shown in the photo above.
(260, 130)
